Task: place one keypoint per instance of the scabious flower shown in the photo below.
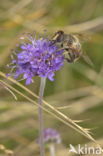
(36, 57)
(51, 136)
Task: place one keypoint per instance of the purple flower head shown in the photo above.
(36, 57)
(51, 136)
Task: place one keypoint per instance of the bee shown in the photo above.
(71, 45)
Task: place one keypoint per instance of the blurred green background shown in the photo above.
(78, 87)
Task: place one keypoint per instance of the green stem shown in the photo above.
(52, 150)
(41, 92)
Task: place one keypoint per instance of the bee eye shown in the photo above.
(60, 38)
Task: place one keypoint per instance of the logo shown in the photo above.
(85, 149)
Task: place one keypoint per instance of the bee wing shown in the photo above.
(87, 60)
(83, 37)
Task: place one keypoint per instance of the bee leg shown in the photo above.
(67, 49)
(62, 45)
(68, 60)
(72, 57)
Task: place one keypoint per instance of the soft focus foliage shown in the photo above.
(78, 88)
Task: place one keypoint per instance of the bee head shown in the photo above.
(58, 36)
(60, 32)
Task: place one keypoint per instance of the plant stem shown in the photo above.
(52, 149)
(41, 92)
